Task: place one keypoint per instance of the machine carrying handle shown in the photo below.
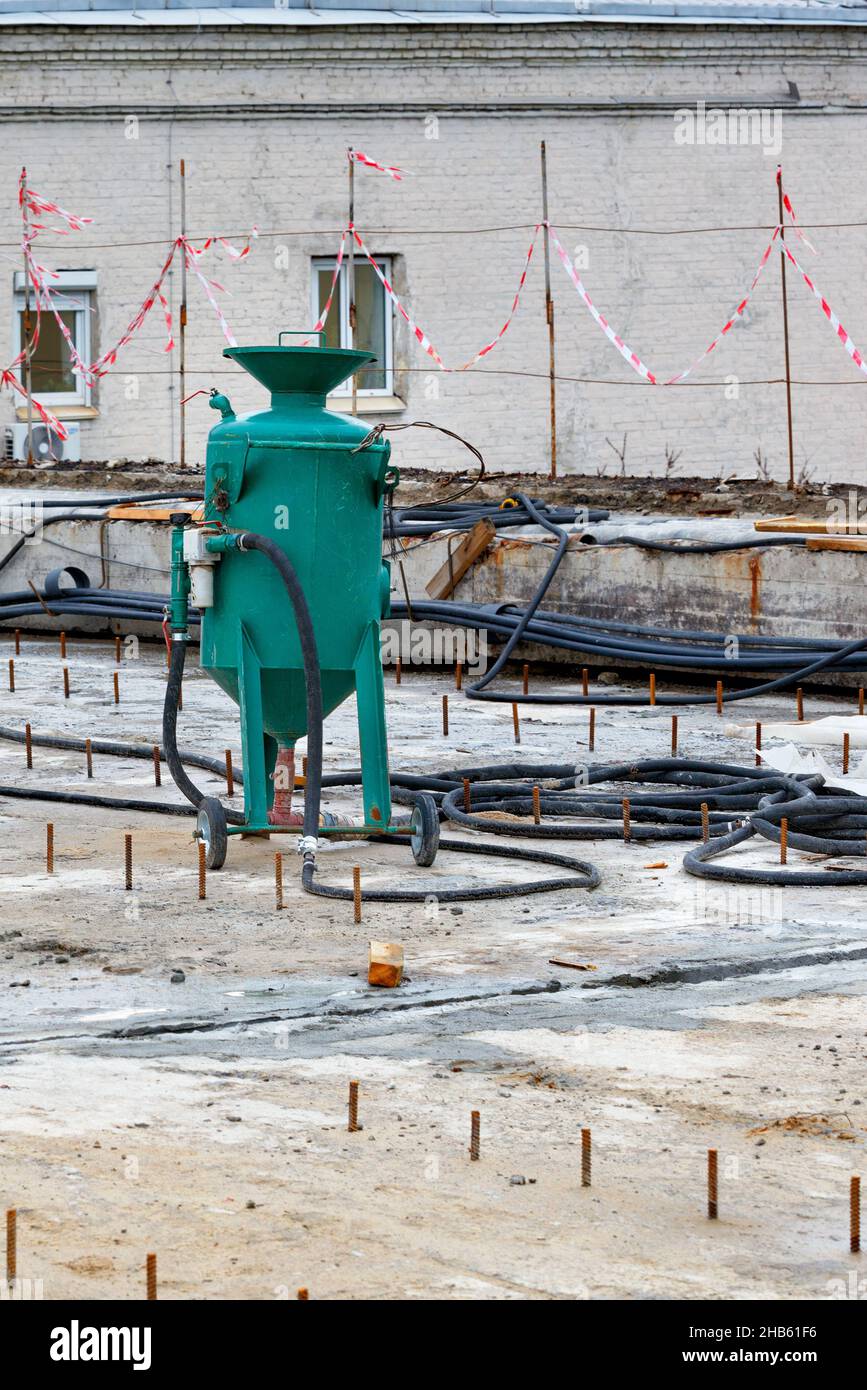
(306, 332)
(388, 477)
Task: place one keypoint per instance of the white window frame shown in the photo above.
(340, 306)
(75, 291)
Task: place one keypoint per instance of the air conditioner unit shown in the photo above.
(47, 446)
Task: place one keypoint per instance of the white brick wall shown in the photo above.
(263, 118)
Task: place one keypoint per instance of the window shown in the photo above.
(54, 381)
(373, 312)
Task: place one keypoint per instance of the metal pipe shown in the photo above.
(182, 326)
(350, 272)
(28, 337)
(786, 332)
(549, 316)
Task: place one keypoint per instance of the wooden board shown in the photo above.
(801, 525)
(129, 511)
(858, 543)
(474, 544)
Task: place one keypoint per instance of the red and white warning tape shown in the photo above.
(730, 323)
(787, 204)
(625, 351)
(637, 364)
(320, 322)
(840, 331)
(390, 169)
(33, 204)
(418, 332)
(632, 357)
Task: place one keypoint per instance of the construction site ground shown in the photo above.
(668, 494)
(174, 1072)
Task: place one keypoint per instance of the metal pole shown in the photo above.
(350, 274)
(28, 344)
(182, 334)
(549, 315)
(786, 334)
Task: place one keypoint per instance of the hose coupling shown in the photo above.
(307, 844)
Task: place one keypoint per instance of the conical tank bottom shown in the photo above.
(303, 370)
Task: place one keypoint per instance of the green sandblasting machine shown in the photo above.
(314, 483)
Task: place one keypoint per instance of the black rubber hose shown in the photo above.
(821, 820)
(635, 651)
(696, 862)
(475, 691)
(697, 547)
(582, 875)
(187, 494)
(112, 803)
(508, 614)
(182, 781)
(115, 750)
(644, 654)
(92, 504)
(435, 518)
(313, 685)
(685, 650)
(800, 805)
(725, 789)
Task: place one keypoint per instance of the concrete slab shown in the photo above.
(206, 1119)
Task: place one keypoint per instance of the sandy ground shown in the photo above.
(206, 1119)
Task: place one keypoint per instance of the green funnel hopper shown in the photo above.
(294, 472)
(299, 370)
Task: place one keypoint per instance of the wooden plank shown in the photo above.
(129, 511)
(802, 526)
(858, 543)
(572, 964)
(474, 544)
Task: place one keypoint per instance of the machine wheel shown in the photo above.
(211, 830)
(425, 824)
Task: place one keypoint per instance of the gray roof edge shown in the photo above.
(152, 13)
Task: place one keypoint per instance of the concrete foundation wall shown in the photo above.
(776, 592)
(101, 116)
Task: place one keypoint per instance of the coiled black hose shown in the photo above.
(649, 648)
(432, 518)
(726, 790)
(809, 808)
(742, 802)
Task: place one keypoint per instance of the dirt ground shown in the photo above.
(205, 1118)
(669, 495)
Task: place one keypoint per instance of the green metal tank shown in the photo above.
(295, 473)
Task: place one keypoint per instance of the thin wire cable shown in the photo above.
(455, 231)
(515, 371)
